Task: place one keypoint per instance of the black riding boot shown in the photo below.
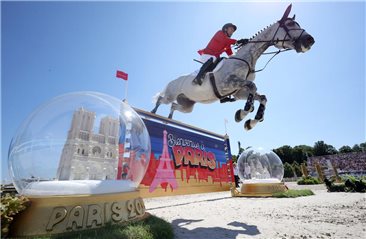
(204, 68)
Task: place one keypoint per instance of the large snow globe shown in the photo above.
(80, 143)
(259, 165)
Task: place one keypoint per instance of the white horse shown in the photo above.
(234, 76)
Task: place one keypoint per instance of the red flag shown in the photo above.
(122, 75)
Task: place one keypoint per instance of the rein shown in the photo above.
(275, 53)
(272, 42)
(227, 98)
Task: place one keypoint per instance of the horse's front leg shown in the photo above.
(183, 104)
(259, 117)
(249, 107)
(248, 92)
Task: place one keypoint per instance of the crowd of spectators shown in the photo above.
(345, 163)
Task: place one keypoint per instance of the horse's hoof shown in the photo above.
(247, 125)
(251, 109)
(261, 120)
(238, 117)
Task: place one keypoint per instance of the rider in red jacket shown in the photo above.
(220, 42)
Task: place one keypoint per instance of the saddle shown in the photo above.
(209, 67)
(206, 67)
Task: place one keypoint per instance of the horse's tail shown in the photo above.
(156, 97)
(160, 94)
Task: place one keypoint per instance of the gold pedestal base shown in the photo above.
(258, 189)
(59, 214)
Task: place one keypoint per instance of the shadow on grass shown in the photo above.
(179, 226)
(149, 228)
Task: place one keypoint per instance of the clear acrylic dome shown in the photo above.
(260, 165)
(80, 143)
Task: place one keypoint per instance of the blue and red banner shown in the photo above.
(182, 156)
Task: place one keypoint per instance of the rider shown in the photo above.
(219, 43)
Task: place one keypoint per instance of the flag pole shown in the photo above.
(225, 123)
(126, 90)
(123, 76)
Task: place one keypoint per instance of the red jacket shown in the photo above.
(219, 43)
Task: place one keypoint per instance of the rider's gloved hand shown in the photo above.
(242, 42)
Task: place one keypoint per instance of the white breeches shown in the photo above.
(206, 57)
(203, 59)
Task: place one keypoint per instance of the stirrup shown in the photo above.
(227, 99)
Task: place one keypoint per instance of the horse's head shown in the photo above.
(290, 35)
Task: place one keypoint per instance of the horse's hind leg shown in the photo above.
(158, 102)
(183, 104)
(172, 109)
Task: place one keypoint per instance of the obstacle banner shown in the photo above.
(184, 159)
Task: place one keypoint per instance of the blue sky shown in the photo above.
(52, 48)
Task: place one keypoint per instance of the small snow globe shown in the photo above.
(80, 143)
(258, 165)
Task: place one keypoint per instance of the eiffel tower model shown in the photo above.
(164, 173)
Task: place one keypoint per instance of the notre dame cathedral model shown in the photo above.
(88, 155)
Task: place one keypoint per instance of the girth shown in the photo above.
(216, 91)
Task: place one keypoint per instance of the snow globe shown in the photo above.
(86, 153)
(261, 172)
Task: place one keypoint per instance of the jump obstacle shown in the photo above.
(184, 159)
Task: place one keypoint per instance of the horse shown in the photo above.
(234, 76)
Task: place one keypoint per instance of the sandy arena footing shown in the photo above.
(220, 216)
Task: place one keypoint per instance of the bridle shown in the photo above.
(283, 25)
(274, 41)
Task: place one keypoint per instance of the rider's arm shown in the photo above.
(220, 42)
(227, 49)
(231, 41)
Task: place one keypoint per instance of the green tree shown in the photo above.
(285, 153)
(309, 151)
(288, 172)
(320, 148)
(356, 148)
(345, 149)
(301, 153)
(331, 149)
(363, 147)
(234, 158)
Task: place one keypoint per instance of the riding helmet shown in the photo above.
(227, 25)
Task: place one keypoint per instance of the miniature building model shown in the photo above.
(88, 155)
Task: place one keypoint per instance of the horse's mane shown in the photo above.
(259, 32)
